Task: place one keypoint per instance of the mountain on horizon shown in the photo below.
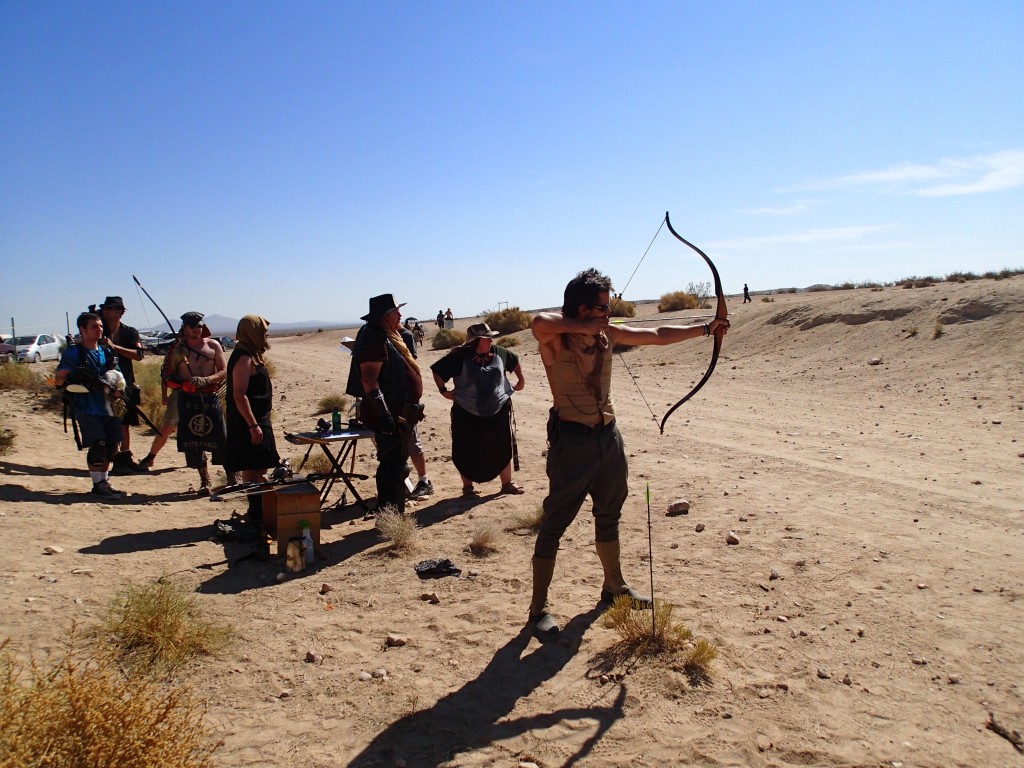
(220, 325)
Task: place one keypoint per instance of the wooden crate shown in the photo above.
(286, 507)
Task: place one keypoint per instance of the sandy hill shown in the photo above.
(865, 445)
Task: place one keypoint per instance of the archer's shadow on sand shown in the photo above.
(468, 718)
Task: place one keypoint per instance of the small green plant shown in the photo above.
(507, 341)
(508, 320)
(484, 541)
(447, 339)
(329, 402)
(673, 302)
(622, 308)
(88, 712)
(398, 530)
(159, 626)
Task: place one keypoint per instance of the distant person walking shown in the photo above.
(746, 293)
(440, 320)
(449, 319)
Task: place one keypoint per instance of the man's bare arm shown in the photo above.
(547, 325)
(662, 335)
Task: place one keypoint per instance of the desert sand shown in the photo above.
(888, 498)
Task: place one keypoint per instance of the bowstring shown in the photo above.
(654, 416)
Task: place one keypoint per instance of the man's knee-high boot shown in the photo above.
(614, 584)
(541, 622)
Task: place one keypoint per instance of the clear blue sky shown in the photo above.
(294, 159)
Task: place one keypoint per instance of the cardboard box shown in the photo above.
(285, 508)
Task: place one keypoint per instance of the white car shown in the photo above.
(35, 349)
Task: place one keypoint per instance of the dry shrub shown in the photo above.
(446, 339)
(147, 377)
(485, 540)
(397, 529)
(508, 320)
(89, 713)
(673, 302)
(768, 299)
(159, 626)
(507, 341)
(317, 464)
(6, 439)
(329, 402)
(526, 521)
(622, 308)
(700, 656)
(938, 330)
(642, 637)
(21, 376)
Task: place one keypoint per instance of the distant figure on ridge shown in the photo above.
(746, 293)
(440, 320)
(449, 319)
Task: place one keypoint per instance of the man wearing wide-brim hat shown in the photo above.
(385, 375)
(124, 341)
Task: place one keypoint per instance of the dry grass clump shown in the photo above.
(147, 377)
(526, 521)
(159, 626)
(21, 376)
(317, 464)
(507, 341)
(400, 531)
(6, 438)
(485, 540)
(329, 402)
(673, 302)
(937, 333)
(508, 320)
(446, 339)
(89, 713)
(642, 637)
(622, 308)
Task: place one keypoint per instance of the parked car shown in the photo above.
(35, 349)
(226, 341)
(8, 353)
(158, 342)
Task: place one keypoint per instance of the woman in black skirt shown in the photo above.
(251, 448)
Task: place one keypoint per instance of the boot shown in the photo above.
(542, 624)
(254, 514)
(232, 478)
(204, 480)
(614, 584)
(122, 464)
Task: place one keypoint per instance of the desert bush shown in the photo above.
(398, 530)
(791, 290)
(447, 339)
(673, 302)
(869, 284)
(702, 291)
(848, 285)
(159, 626)
(507, 341)
(961, 277)
(700, 655)
(484, 541)
(508, 320)
(317, 464)
(21, 376)
(6, 438)
(640, 635)
(768, 299)
(329, 402)
(147, 377)
(938, 330)
(526, 521)
(912, 332)
(622, 308)
(88, 713)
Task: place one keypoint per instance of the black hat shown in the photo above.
(112, 302)
(380, 306)
(192, 319)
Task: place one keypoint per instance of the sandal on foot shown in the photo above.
(512, 488)
(640, 602)
(469, 492)
(543, 627)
